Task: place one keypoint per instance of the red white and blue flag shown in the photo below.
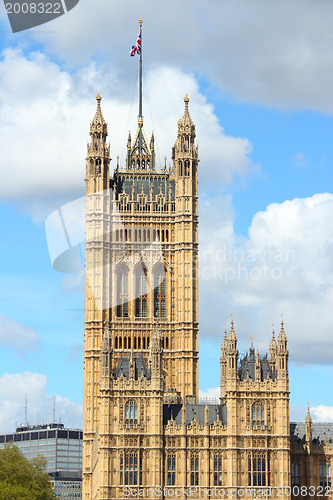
(137, 47)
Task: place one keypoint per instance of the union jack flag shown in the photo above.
(137, 47)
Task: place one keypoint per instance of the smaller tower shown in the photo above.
(272, 352)
(308, 430)
(282, 355)
(98, 153)
(232, 354)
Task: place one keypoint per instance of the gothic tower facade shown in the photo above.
(141, 265)
(146, 433)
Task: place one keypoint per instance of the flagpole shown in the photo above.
(140, 71)
(140, 93)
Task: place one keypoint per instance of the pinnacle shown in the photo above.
(98, 118)
(308, 416)
(232, 334)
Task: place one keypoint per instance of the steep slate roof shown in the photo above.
(194, 411)
(248, 364)
(140, 368)
(320, 431)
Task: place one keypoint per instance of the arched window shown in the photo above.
(258, 415)
(122, 293)
(130, 468)
(259, 469)
(141, 291)
(98, 166)
(131, 413)
(194, 470)
(187, 168)
(217, 470)
(159, 293)
(171, 469)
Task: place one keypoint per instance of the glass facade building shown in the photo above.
(62, 449)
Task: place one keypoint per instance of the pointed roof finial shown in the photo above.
(308, 416)
(186, 100)
(98, 118)
(282, 334)
(98, 98)
(232, 335)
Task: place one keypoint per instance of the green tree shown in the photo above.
(22, 479)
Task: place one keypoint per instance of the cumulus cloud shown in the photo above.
(299, 160)
(283, 266)
(212, 393)
(18, 337)
(276, 54)
(322, 413)
(15, 388)
(45, 120)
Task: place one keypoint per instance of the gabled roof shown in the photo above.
(320, 431)
(248, 364)
(195, 411)
(140, 368)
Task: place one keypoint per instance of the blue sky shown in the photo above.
(259, 79)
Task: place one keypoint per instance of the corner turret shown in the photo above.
(98, 153)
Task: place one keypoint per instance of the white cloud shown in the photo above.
(284, 266)
(45, 121)
(321, 413)
(20, 338)
(212, 393)
(300, 160)
(275, 54)
(14, 388)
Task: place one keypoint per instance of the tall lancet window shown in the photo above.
(159, 293)
(258, 415)
(131, 413)
(122, 293)
(141, 293)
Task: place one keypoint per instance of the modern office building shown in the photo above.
(62, 449)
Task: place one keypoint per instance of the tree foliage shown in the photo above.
(22, 479)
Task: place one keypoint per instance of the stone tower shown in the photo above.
(255, 390)
(141, 277)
